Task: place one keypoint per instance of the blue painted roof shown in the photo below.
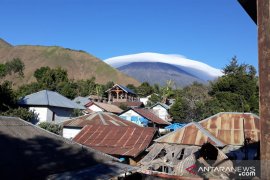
(81, 100)
(49, 98)
(175, 126)
(126, 89)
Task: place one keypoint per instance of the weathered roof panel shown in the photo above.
(221, 129)
(97, 118)
(116, 140)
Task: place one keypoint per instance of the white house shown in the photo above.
(50, 106)
(161, 110)
(143, 117)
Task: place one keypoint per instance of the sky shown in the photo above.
(210, 31)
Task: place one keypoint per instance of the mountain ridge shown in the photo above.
(159, 73)
(79, 64)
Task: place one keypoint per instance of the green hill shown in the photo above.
(79, 64)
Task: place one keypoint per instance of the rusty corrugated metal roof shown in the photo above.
(220, 129)
(98, 118)
(233, 128)
(191, 134)
(116, 140)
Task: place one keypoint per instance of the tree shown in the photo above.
(178, 110)
(22, 113)
(7, 97)
(154, 98)
(167, 91)
(15, 66)
(54, 128)
(238, 83)
(195, 96)
(132, 87)
(144, 89)
(50, 78)
(86, 87)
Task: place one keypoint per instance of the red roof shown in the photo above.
(150, 116)
(98, 118)
(116, 140)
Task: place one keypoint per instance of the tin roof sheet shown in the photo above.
(116, 140)
(220, 129)
(97, 118)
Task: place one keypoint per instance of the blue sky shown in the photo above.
(211, 31)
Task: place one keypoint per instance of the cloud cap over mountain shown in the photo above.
(196, 68)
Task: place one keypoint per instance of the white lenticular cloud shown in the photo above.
(173, 59)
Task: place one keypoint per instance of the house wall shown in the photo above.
(60, 113)
(129, 115)
(161, 112)
(95, 108)
(70, 133)
(45, 114)
(41, 112)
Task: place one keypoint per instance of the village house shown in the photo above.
(119, 93)
(162, 111)
(127, 143)
(144, 117)
(237, 135)
(103, 107)
(30, 152)
(50, 106)
(73, 126)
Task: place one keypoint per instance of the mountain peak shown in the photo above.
(3, 43)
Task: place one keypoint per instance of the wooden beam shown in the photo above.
(263, 22)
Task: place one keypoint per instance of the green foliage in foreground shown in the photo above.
(54, 128)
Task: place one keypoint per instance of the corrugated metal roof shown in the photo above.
(29, 152)
(150, 116)
(233, 128)
(220, 129)
(116, 140)
(81, 100)
(107, 107)
(191, 134)
(98, 118)
(49, 98)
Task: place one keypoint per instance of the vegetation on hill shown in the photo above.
(79, 64)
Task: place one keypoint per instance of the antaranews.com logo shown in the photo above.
(246, 170)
